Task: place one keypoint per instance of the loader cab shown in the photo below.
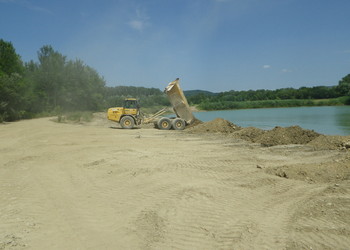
(131, 103)
(131, 106)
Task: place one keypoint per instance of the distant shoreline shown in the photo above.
(232, 105)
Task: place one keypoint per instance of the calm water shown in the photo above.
(325, 120)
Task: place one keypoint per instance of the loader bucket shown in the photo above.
(179, 102)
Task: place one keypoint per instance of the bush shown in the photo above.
(347, 101)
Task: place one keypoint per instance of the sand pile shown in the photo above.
(218, 125)
(251, 134)
(276, 136)
(329, 142)
(288, 135)
(325, 172)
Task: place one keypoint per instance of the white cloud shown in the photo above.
(137, 25)
(39, 9)
(347, 51)
(140, 22)
(286, 70)
(266, 66)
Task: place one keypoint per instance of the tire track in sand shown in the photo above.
(204, 215)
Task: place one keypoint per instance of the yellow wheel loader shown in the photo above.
(129, 115)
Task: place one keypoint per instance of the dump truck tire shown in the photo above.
(164, 123)
(178, 124)
(127, 122)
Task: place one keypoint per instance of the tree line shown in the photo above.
(54, 84)
(285, 97)
(148, 97)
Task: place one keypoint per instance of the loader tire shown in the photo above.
(178, 124)
(127, 122)
(164, 123)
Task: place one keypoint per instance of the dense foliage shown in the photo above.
(287, 97)
(272, 103)
(60, 84)
(147, 97)
(51, 85)
(11, 83)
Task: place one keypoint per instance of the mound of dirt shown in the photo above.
(288, 135)
(249, 134)
(218, 125)
(329, 142)
(325, 172)
(276, 136)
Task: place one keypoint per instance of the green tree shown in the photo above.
(35, 95)
(343, 87)
(11, 83)
(148, 97)
(10, 61)
(51, 75)
(10, 97)
(58, 84)
(83, 88)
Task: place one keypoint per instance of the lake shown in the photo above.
(333, 120)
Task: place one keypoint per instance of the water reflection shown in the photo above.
(342, 119)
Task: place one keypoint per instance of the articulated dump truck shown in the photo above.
(130, 115)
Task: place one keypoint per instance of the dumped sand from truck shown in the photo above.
(218, 125)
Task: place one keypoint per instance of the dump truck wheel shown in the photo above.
(127, 122)
(178, 124)
(164, 123)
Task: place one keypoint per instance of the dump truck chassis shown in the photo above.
(166, 123)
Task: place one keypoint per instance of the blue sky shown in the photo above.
(215, 45)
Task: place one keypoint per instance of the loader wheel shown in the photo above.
(178, 124)
(127, 122)
(164, 123)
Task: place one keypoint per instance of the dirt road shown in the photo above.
(65, 186)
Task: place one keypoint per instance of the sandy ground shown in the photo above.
(67, 186)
